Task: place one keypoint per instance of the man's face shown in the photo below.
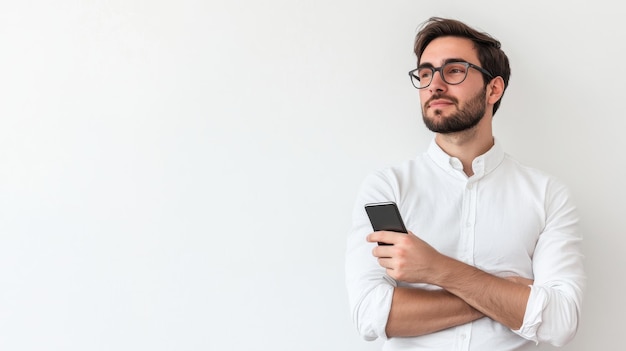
(452, 108)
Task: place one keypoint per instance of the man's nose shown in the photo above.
(437, 83)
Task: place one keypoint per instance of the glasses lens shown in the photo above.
(454, 72)
(421, 77)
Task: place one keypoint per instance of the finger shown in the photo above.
(382, 237)
(386, 262)
(382, 251)
(373, 237)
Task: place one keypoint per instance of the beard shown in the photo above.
(458, 121)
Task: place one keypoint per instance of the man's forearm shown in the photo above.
(503, 300)
(417, 312)
(412, 260)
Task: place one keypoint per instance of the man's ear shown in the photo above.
(495, 89)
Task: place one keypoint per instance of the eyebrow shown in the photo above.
(427, 64)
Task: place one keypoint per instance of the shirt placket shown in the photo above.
(466, 249)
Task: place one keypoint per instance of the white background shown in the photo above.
(179, 175)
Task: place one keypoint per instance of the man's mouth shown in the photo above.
(440, 103)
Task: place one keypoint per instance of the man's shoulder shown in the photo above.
(528, 172)
(403, 168)
(515, 164)
(399, 174)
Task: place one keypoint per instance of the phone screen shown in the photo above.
(385, 216)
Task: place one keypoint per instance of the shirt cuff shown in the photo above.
(374, 313)
(537, 301)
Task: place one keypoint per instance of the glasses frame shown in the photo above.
(439, 69)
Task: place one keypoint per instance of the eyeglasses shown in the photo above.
(452, 73)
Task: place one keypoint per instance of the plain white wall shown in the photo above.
(179, 175)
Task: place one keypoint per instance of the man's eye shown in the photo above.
(425, 74)
(455, 69)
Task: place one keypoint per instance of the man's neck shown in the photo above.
(468, 144)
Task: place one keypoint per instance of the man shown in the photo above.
(492, 260)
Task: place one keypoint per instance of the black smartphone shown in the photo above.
(385, 216)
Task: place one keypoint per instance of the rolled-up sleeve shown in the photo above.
(554, 306)
(370, 290)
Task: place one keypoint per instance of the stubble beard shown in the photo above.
(461, 120)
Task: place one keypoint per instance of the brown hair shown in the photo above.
(491, 56)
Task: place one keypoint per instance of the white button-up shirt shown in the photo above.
(506, 219)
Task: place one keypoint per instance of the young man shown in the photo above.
(492, 260)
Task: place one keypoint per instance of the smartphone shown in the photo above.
(385, 216)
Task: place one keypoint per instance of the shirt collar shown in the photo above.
(481, 165)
